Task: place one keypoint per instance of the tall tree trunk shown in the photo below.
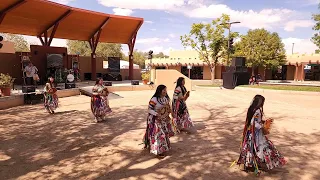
(213, 72)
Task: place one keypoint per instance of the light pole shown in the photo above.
(292, 47)
(229, 27)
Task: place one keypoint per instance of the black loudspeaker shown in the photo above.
(28, 89)
(134, 82)
(238, 61)
(233, 79)
(69, 85)
(107, 83)
(35, 52)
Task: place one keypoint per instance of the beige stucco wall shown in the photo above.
(168, 77)
(8, 47)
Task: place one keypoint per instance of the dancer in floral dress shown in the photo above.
(257, 151)
(179, 107)
(159, 124)
(50, 96)
(99, 101)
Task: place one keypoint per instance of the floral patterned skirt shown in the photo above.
(51, 101)
(263, 154)
(100, 106)
(181, 115)
(157, 135)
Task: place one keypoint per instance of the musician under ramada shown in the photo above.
(99, 101)
(257, 151)
(51, 98)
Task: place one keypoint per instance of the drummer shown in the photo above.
(51, 98)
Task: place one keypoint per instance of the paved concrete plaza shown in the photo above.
(68, 145)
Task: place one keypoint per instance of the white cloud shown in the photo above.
(149, 22)
(122, 11)
(265, 18)
(151, 40)
(157, 49)
(140, 4)
(62, 1)
(291, 25)
(55, 42)
(301, 46)
(153, 29)
(172, 35)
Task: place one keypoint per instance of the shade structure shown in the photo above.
(34, 17)
(50, 20)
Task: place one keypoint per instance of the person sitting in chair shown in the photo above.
(30, 71)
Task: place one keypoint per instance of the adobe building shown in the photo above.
(297, 68)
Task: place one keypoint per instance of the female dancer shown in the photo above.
(256, 149)
(179, 106)
(50, 96)
(99, 101)
(159, 124)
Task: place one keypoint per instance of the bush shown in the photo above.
(145, 76)
(6, 80)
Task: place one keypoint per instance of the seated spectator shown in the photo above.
(252, 80)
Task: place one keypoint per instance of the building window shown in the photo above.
(189, 58)
(171, 58)
(178, 58)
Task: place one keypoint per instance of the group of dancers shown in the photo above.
(257, 152)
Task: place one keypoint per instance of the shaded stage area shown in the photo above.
(68, 145)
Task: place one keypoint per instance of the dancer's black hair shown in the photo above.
(179, 84)
(257, 103)
(158, 92)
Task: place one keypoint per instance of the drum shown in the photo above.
(267, 126)
(36, 77)
(52, 91)
(164, 112)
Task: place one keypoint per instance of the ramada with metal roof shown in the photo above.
(48, 20)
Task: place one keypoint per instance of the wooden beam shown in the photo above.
(135, 32)
(103, 24)
(56, 22)
(10, 8)
(41, 40)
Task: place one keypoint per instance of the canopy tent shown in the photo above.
(48, 20)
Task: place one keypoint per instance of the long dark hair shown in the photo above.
(51, 83)
(257, 103)
(98, 80)
(179, 84)
(158, 92)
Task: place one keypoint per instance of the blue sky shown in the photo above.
(166, 20)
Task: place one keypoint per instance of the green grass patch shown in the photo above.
(211, 85)
(285, 87)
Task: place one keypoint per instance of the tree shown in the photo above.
(160, 55)
(316, 37)
(209, 41)
(20, 43)
(261, 48)
(139, 58)
(103, 50)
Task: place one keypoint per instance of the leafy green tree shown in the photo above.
(139, 58)
(261, 48)
(160, 55)
(103, 50)
(316, 37)
(20, 43)
(209, 41)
